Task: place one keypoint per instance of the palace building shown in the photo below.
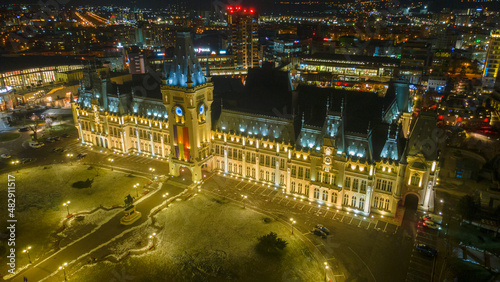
(364, 152)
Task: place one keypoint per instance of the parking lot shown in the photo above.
(364, 245)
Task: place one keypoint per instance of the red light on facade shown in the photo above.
(229, 7)
(244, 10)
(441, 117)
(238, 8)
(345, 83)
(339, 83)
(459, 118)
(325, 39)
(486, 120)
(251, 11)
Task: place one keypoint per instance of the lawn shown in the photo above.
(60, 129)
(41, 192)
(8, 136)
(462, 271)
(206, 239)
(472, 236)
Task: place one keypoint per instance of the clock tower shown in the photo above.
(188, 96)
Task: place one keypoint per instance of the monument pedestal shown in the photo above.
(131, 215)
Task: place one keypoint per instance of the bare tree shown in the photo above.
(35, 126)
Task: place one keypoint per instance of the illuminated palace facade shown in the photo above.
(366, 154)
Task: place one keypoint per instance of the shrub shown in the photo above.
(270, 244)
(83, 184)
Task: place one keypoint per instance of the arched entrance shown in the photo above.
(185, 174)
(411, 202)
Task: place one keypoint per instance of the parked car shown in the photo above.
(323, 228)
(58, 150)
(81, 156)
(26, 160)
(50, 140)
(433, 217)
(431, 225)
(24, 129)
(426, 250)
(65, 135)
(36, 145)
(56, 138)
(318, 232)
(5, 156)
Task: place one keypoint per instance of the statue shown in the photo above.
(128, 200)
(131, 215)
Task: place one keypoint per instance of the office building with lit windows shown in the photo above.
(350, 150)
(243, 40)
(492, 66)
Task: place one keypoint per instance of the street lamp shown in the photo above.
(152, 171)
(63, 267)
(293, 221)
(152, 237)
(27, 250)
(111, 160)
(66, 204)
(244, 198)
(136, 187)
(326, 268)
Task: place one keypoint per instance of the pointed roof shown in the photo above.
(185, 66)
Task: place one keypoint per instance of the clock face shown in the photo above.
(178, 111)
(327, 160)
(202, 109)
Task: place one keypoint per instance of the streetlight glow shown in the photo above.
(66, 204)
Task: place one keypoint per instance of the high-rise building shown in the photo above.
(137, 62)
(243, 25)
(492, 66)
(415, 59)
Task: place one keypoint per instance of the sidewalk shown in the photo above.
(46, 268)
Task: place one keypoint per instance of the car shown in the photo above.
(36, 144)
(318, 232)
(15, 162)
(26, 160)
(58, 150)
(65, 135)
(24, 129)
(323, 228)
(426, 250)
(433, 217)
(56, 138)
(50, 140)
(431, 225)
(81, 156)
(5, 156)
